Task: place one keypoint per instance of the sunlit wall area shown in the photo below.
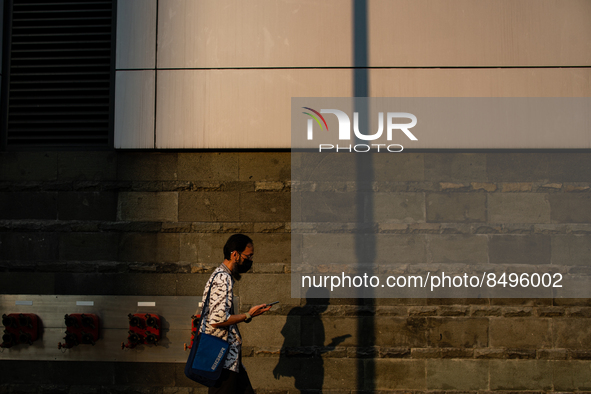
(201, 151)
(209, 66)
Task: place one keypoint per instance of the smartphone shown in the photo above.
(273, 303)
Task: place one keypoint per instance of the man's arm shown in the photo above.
(233, 319)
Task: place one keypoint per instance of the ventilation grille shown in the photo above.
(60, 73)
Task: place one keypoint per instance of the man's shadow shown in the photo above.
(305, 362)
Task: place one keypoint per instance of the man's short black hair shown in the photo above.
(236, 242)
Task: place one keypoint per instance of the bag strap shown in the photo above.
(206, 303)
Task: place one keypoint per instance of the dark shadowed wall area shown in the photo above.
(153, 224)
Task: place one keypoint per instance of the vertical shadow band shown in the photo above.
(364, 243)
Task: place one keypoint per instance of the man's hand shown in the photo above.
(234, 319)
(258, 310)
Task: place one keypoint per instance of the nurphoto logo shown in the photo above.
(344, 132)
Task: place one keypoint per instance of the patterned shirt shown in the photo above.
(220, 303)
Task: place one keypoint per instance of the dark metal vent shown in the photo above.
(59, 77)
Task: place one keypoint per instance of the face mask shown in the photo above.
(241, 268)
(245, 266)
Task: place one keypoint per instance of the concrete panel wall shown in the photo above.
(134, 109)
(402, 33)
(136, 34)
(251, 108)
(227, 70)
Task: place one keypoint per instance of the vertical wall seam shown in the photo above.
(156, 75)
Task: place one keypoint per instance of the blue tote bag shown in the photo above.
(207, 356)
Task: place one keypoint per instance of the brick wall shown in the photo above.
(130, 223)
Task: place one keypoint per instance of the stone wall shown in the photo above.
(136, 223)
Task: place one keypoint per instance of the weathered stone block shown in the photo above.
(516, 187)
(340, 167)
(400, 332)
(457, 332)
(518, 208)
(396, 208)
(363, 352)
(571, 333)
(396, 374)
(88, 246)
(28, 166)
(148, 206)
(519, 249)
(552, 186)
(571, 249)
(579, 354)
(579, 312)
(27, 283)
(264, 166)
(339, 374)
(145, 374)
(393, 250)
(142, 166)
(210, 166)
(19, 388)
(456, 207)
(329, 207)
(570, 208)
(287, 372)
(569, 167)
(487, 353)
(29, 246)
(457, 374)
(455, 167)
(452, 248)
(296, 207)
(394, 352)
(572, 375)
(87, 166)
(15, 371)
(520, 333)
(524, 303)
(518, 312)
(272, 248)
(423, 311)
(81, 373)
(87, 206)
(452, 187)
(285, 329)
(149, 248)
(151, 284)
(265, 207)
(28, 205)
(520, 375)
(209, 206)
(333, 331)
(552, 354)
(399, 167)
(269, 186)
(573, 301)
(336, 249)
(518, 167)
(208, 248)
(255, 289)
(190, 248)
(191, 285)
(486, 186)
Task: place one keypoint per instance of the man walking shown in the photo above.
(220, 319)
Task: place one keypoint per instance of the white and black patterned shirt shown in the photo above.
(220, 303)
